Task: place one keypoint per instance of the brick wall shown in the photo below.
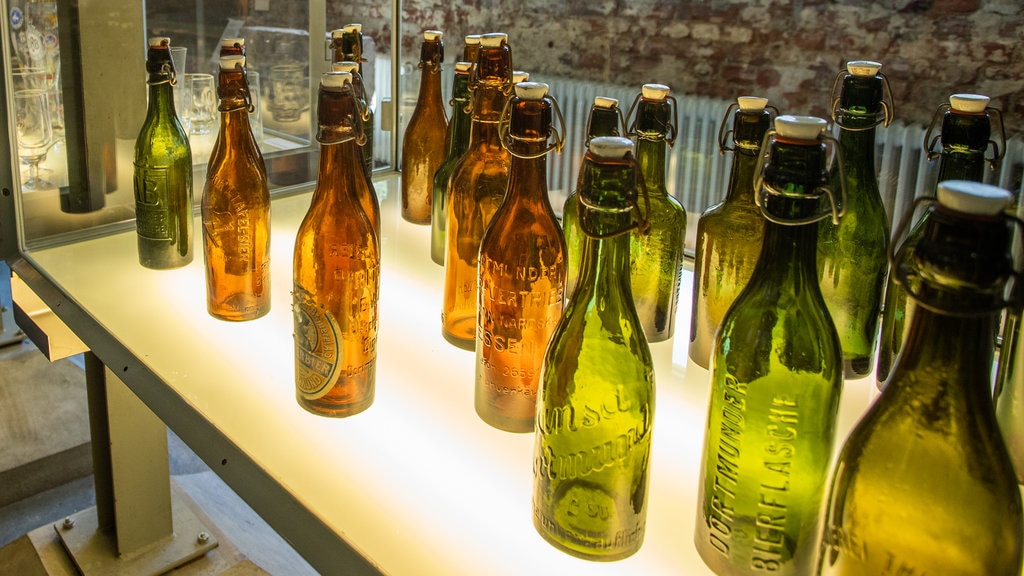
(786, 50)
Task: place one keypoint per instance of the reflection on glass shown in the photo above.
(289, 92)
(35, 134)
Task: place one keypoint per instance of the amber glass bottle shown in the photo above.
(595, 412)
(605, 119)
(656, 251)
(457, 142)
(965, 134)
(776, 380)
(728, 233)
(347, 46)
(336, 268)
(236, 208)
(423, 148)
(923, 484)
(521, 273)
(163, 171)
(477, 187)
(852, 261)
(368, 195)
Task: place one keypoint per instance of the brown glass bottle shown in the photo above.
(476, 188)
(521, 273)
(368, 195)
(347, 46)
(423, 147)
(236, 208)
(336, 268)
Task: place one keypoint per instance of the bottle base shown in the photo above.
(464, 343)
(611, 556)
(335, 410)
(854, 368)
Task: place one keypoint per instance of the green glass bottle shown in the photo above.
(605, 119)
(852, 261)
(923, 484)
(163, 171)
(596, 405)
(729, 233)
(478, 185)
(368, 196)
(522, 270)
(776, 379)
(457, 140)
(657, 257)
(965, 134)
(347, 46)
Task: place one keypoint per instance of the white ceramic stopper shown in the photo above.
(531, 90)
(520, 76)
(345, 66)
(654, 91)
(611, 147)
(493, 39)
(863, 67)
(799, 127)
(335, 79)
(472, 39)
(337, 33)
(463, 66)
(433, 35)
(751, 103)
(356, 28)
(159, 41)
(606, 102)
(969, 103)
(232, 42)
(973, 197)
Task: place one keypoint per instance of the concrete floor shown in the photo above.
(46, 464)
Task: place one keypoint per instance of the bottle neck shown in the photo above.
(962, 164)
(964, 142)
(461, 121)
(337, 171)
(788, 257)
(161, 98)
(650, 156)
(430, 83)
(604, 270)
(528, 176)
(741, 177)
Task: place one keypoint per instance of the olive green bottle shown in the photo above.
(163, 171)
(729, 233)
(776, 379)
(656, 250)
(924, 484)
(596, 404)
(966, 130)
(457, 142)
(347, 46)
(852, 255)
(605, 119)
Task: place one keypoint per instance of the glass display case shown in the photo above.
(417, 484)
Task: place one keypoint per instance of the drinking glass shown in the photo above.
(34, 133)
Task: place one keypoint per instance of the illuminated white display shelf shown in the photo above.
(417, 484)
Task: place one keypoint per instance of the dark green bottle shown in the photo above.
(605, 119)
(776, 379)
(965, 135)
(163, 171)
(729, 233)
(458, 141)
(596, 404)
(852, 255)
(924, 484)
(656, 251)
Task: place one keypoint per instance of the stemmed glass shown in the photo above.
(35, 134)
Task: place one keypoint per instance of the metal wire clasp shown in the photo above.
(884, 117)
(556, 135)
(671, 128)
(762, 189)
(725, 129)
(996, 120)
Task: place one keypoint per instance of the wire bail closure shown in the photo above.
(671, 130)
(839, 115)
(641, 223)
(995, 118)
(907, 279)
(725, 129)
(557, 134)
(763, 189)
